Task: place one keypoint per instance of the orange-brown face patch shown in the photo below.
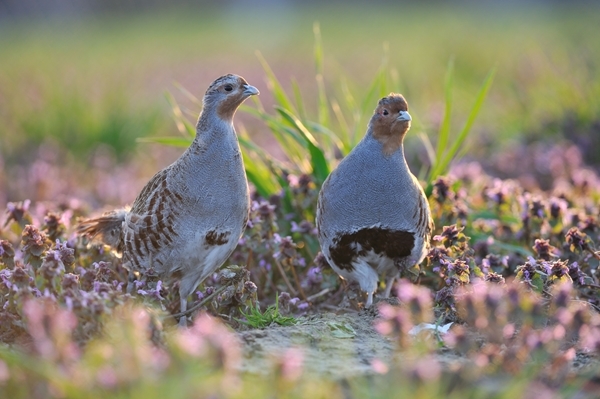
(234, 98)
(387, 129)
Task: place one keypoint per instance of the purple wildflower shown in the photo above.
(576, 273)
(493, 277)
(441, 189)
(284, 299)
(544, 249)
(314, 276)
(250, 287)
(34, 241)
(576, 239)
(449, 236)
(16, 211)
(305, 227)
(558, 206)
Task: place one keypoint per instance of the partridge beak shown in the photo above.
(404, 116)
(250, 90)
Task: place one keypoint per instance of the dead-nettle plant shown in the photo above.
(503, 329)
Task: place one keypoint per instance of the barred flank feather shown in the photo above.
(189, 217)
(106, 228)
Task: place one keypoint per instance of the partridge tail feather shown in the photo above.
(107, 228)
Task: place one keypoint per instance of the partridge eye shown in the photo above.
(228, 87)
(385, 112)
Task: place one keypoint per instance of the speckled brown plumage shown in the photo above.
(188, 218)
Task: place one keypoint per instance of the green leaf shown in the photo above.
(278, 93)
(341, 330)
(288, 138)
(319, 164)
(344, 143)
(298, 99)
(188, 94)
(444, 134)
(538, 283)
(323, 103)
(457, 148)
(260, 172)
(256, 319)
(183, 125)
(512, 248)
(334, 139)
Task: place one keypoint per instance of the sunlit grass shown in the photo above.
(255, 318)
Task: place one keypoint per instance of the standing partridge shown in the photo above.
(373, 218)
(189, 217)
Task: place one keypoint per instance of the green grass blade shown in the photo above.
(318, 48)
(377, 89)
(278, 93)
(344, 127)
(335, 140)
(188, 94)
(257, 177)
(318, 161)
(373, 93)
(291, 142)
(259, 172)
(350, 104)
(384, 71)
(457, 146)
(476, 109)
(266, 173)
(298, 99)
(183, 125)
(429, 150)
(444, 134)
(323, 102)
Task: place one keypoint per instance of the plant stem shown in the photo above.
(302, 294)
(201, 303)
(287, 281)
(318, 294)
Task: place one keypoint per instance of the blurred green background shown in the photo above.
(78, 79)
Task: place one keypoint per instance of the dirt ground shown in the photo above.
(345, 345)
(333, 345)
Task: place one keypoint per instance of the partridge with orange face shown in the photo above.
(189, 217)
(373, 218)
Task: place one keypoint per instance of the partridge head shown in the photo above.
(373, 218)
(188, 218)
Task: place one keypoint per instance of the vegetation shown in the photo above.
(257, 319)
(514, 263)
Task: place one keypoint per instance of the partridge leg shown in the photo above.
(130, 280)
(183, 308)
(388, 286)
(369, 300)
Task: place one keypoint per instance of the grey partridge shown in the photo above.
(373, 218)
(188, 218)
